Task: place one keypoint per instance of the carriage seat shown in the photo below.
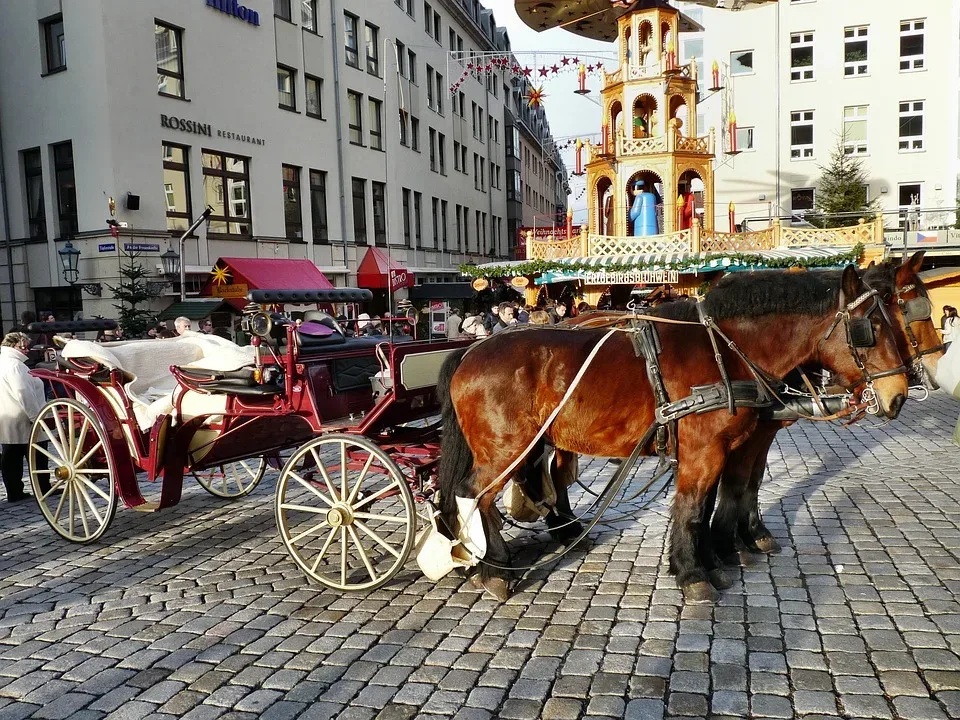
(242, 381)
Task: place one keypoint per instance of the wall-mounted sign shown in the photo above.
(480, 284)
(239, 290)
(400, 279)
(141, 247)
(107, 247)
(232, 7)
(634, 277)
(520, 282)
(172, 122)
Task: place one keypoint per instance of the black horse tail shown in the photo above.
(456, 458)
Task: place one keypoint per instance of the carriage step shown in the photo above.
(147, 507)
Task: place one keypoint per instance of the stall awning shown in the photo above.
(376, 271)
(232, 278)
(193, 309)
(442, 291)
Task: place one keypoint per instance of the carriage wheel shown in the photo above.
(232, 480)
(82, 499)
(345, 512)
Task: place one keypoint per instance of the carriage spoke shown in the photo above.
(92, 471)
(60, 434)
(90, 453)
(63, 497)
(93, 487)
(309, 531)
(71, 438)
(80, 439)
(343, 468)
(43, 450)
(56, 445)
(311, 488)
(323, 550)
(53, 488)
(70, 509)
(323, 472)
(376, 496)
(376, 538)
(363, 553)
(381, 518)
(363, 474)
(82, 512)
(91, 505)
(343, 555)
(303, 508)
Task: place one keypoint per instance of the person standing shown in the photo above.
(506, 318)
(21, 399)
(206, 327)
(453, 325)
(949, 324)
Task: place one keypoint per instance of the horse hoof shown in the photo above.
(746, 558)
(497, 587)
(567, 534)
(731, 560)
(768, 545)
(476, 581)
(719, 579)
(701, 591)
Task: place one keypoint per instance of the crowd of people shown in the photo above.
(506, 314)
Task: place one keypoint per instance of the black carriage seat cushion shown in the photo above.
(353, 373)
(200, 376)
(230, 387)
(309, 342)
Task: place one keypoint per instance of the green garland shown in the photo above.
(536, 267)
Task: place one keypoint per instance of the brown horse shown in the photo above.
(498, 394)
(737, 524)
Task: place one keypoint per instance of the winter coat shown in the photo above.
(21, 397)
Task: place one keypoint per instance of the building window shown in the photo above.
(54, 45)
(741, 62)
(376, 125)
(801, 57)
(176, 186)
(318, 206)
(33, 176)
(404, 131)
(359, 211)
(911, 126)
(801, 135)
(379, 213)
(406, 217)
(412, 65)
(456, 155)
(433, 150)
(439, 79)
(744, 139)
(909, 195)
(437, 27)
(443, 224)
(911, 44)
(435, 218)
(308, 15)
(66, 188)
(430, 87)
(281, 9)
(801, 200)
(428, 19)
(418, 219)
(314, 96)
(401, 52)
(373, 49)
(169, 60)
(355, 103)
(415, 133)
(855, 130)
(409, 8)
(855, 46)
(292, 214)
(350, 40)
(442, 152)
(226, 188)
(286, 87)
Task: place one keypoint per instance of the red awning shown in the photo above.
(376, 271)
(232, 278)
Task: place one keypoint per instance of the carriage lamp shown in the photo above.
(69, 259)
(170, 262)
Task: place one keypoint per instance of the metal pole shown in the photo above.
(183, 260)
(6, 235)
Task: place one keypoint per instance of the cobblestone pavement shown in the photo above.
(197, 612)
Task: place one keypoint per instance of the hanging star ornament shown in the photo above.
(221, 275)
(534, 97)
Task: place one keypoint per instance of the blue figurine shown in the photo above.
(643, 212)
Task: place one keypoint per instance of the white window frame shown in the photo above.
(913, 28)
(753, 69)
(856, 34)
(800, 118)
(748, 135)
(801, 41)
(860, 113)
(908, 109)
(802, 211)
(904, 209)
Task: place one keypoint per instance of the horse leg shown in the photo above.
(706, 551)
(563, 524)
(752, 531)
(697, 474)
(493, 575)
(729, 518)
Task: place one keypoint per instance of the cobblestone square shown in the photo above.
(198, 612)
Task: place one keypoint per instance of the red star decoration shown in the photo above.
(527, 72)
(576, 61)
(589, 68)
(555, 69)
(516, 69)
(565, 61)
(470, 66)
(544, 71)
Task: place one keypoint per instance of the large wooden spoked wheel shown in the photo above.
(82, 498)
(232, 480)
(345, 512)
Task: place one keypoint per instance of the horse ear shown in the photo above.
(873, 263)
(850, 283)
(916, 261)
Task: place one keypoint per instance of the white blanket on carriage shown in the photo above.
(147, 363)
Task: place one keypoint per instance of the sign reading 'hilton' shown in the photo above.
(232, 7)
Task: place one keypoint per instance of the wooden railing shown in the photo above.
(678, 242)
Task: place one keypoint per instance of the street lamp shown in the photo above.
(176, 259)
(170, 261)
(69, 258)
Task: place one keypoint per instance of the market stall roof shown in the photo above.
(377, 271)
(193, 309)
(588, 268)
(232, 278)
(442, 291)
(938, 274)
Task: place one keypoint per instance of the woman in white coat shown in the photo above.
(21, 398)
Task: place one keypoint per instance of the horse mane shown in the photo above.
(764, 292)
(882, 277)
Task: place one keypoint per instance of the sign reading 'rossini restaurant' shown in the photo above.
(198, 128)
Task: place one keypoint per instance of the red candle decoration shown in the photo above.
(732, 215)
(582, 90)
(716, 76)
(733, 132)
(569, 223)
(579, 162)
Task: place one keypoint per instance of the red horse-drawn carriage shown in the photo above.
(354, 409)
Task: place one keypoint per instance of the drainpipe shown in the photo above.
(335, 34)
(6, 230)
